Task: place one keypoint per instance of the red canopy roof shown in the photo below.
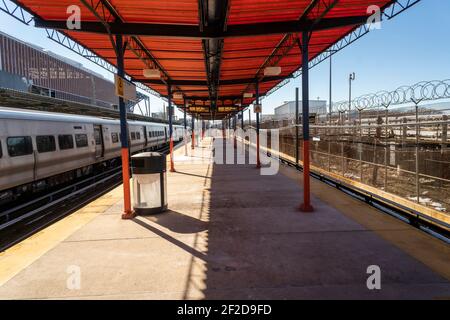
(209, 50)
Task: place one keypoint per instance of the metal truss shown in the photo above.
(16, 11)
(105, 12)
(391, 11)
(20, 14)
(419, 92)
(319, 9)
(137, 47)
(75, 47)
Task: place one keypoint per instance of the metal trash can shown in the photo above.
(149, 183)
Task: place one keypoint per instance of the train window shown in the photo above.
(1, 151)
(45, 144)
(19, 146)
(133, 135)
(138, 135)
(81, 140)
(65, 141)
(114, 137)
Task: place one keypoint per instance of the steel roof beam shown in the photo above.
(290, 40)
(209, 32)
(205, 83)
(221, 98)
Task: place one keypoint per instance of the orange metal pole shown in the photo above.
(258, 161)
(172, 167)
(306, 205)
(169, 93)
(128, 212)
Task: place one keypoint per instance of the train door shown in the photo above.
(99, 145)
(145, 137)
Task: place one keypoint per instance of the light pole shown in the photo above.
(331, 86)
(330, 107)
(351, 78)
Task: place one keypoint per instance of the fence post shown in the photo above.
(444, 134)
(417, 154)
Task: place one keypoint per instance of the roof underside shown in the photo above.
(212, 51)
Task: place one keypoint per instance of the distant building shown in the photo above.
(27, 67)
(267, 117)
(159, 115)
(287, 110)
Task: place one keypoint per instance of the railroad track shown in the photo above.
(26, 219)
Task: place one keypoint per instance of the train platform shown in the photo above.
(230, 233)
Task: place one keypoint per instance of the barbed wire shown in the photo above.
(419, 92)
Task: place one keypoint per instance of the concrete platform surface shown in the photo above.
(231, 233)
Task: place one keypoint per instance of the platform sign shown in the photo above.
(124, 88)
(257, 108)
(226, 109)
(197, 109)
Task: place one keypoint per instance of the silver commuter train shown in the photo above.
(42, 149)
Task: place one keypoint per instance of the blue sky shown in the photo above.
(412, 47)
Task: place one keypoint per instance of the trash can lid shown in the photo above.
(148, 162)
(147, 155)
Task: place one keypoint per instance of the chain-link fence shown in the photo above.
(407, 154)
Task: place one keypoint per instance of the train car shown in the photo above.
(40, 149)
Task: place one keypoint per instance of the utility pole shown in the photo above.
(351, 78)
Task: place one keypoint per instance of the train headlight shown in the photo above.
(149, 183)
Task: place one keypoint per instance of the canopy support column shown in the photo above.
(296, 126)
(258, 160)
(169, 94)
(306, 205)
(193, 132)
(127, 211)
(203, 129)
(185, 131)
(234, 131)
